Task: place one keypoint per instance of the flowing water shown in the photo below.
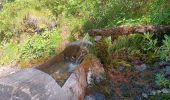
(62, 70)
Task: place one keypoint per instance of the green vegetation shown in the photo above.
(31, 18)
(31, 31)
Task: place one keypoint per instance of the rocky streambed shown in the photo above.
(64, 78)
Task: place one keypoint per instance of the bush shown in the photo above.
(136, 45)
(165, 48)
(15, 17)
(160, 12)
(36, 48)
(40, 46)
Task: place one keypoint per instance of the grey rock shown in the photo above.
(141, 67)
(97, 38)
(164, 90)
(153, 93)
(81, 43)
(167, 70)
(89, 98)
(158, 91)
(121, 68)
(125, 90)
(96, 73)
(95, 96)
(99, 96)
(144, 95)
(137, 98)
(30, 84)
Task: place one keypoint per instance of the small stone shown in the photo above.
(89, 98)
(95, 96)
(97, 38)
(121, 68)
(141, 67)
(164, 90)
(125, 90)
(158, 91)
(99, 96)
(153, 92)
(162, 63)
(144, 95)
(137, 98)
(167, 70)
(96, 73)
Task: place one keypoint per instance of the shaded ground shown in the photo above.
(138, 83)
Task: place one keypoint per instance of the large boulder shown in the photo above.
(30, 84)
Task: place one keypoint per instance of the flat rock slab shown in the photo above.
(6, 70)
(30, 84)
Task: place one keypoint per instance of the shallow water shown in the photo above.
(61, 71)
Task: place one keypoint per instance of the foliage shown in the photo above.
(160, 12)
(40, 46)
(76, 17)
(143, 46)
(14, 14)
(165, 48)
(36, 47)
(162, 81)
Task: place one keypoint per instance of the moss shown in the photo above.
(102, 51)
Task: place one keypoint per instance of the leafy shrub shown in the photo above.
(143, 46)
(13, 17)
(165, 48)
(160, 12)
(40, 46)
(162, 81)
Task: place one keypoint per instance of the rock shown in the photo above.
(5, 70)
(153, 93)
(116, 97)
(158, 91)
(89, 98)
(99, 96)
(144, 95)
(97, 38)
(121, 68)
(81, 43)
(138, 98)
(164, 63)
(30, 84)
(167, 70)
(95, 96)
(125, 90)
(96, 72)
(141, 67)
(164, 90)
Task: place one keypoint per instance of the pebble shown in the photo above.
(167, 70)
(153, 92)
(144, 95)
(95, 96)
(164, 90)
(141, 67)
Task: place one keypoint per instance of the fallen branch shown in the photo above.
(125, 30)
